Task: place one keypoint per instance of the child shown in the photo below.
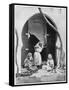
(29, 63)
(50, 63)
(29, 60)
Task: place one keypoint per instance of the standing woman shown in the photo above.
(37, 55)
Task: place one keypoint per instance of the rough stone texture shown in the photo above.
(42, 76)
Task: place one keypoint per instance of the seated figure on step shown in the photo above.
(29, 60)
(49, 65)
(29, 63)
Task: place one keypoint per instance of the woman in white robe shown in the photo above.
(37, 55)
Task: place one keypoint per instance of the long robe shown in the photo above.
(37, 58)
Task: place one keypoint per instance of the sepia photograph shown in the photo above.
(40, 44)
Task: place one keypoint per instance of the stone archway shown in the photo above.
(38, 26)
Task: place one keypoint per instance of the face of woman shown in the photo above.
(38, 47)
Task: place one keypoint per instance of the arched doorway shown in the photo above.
(38, 27)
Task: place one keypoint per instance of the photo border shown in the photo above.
(11, 44)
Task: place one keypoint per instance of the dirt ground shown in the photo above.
(42, 76)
